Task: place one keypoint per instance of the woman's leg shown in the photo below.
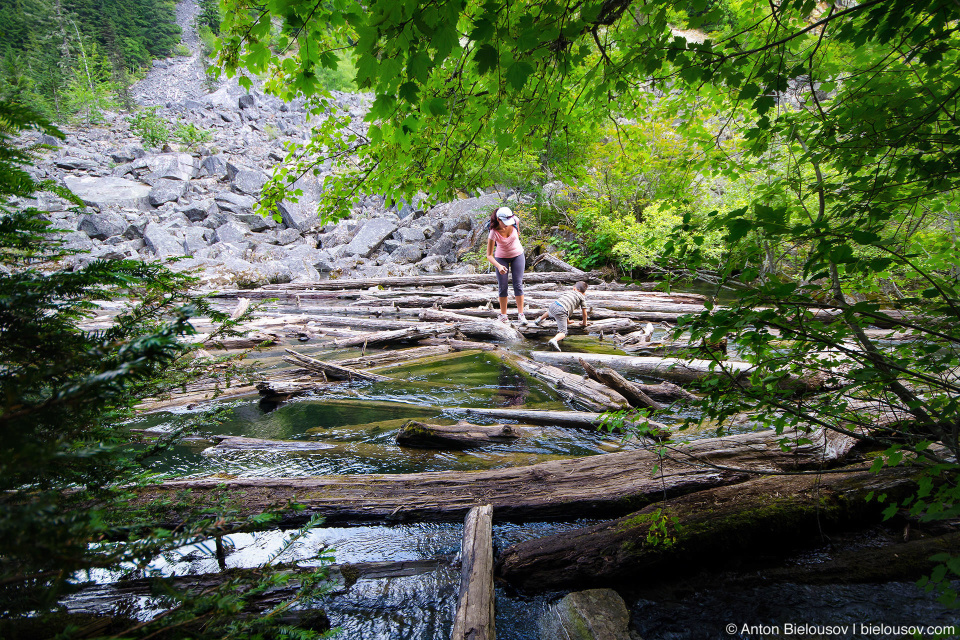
(502, 283)
(518, 264)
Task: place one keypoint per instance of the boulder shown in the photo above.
(165, 190)
(73, 163)
(287, 236)
(257, 222)
(249, 181)
(232, 232)
(102, 225)
(234, 202)
(370, 236)
(302, 214)
(215, 166)
(444, 245)
(199, 210)
(196, 238)
(596, 614)
(109, 192)
(410, 234)
(161, 242)
(175, 166)
(407, 253)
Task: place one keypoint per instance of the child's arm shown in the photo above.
(583, 309)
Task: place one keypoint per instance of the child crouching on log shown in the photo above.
(562, 308)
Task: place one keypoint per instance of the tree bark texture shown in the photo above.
(621, 385)
(687, 533)
(462, 435)
(475, 618)
(605, 485)
(578, 390)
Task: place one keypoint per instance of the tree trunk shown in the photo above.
(681, 535)
(578, 390)
(393, 356)
(460, 345)
(472, 327)
(556, 263)
(676, 369)
(621, 385)
(475, 614)
(462, 435)
(330, 370)
(381, 337)
(605, 485)
(237, 443)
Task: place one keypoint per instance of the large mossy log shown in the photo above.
(686, 533)
(462, 435)
(632, 392)
(605, 485)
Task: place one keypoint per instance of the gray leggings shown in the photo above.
(517, 265)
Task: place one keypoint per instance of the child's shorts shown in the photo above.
(559, 313)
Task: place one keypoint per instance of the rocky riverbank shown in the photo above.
(197, 204)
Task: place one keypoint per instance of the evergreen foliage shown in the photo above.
(44, 43)
(66, 454)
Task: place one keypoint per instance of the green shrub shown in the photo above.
(151, 128)
(191, 136)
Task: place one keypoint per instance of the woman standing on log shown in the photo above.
(505, 237)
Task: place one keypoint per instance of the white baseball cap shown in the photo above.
(505, 215)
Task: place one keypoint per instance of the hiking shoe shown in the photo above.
(502, 317)
(553, 343)
(534, 323)
(522, 320)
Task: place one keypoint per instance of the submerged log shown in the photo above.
(683, 534)
(237, 443)
(460, 345)
(607, 485)
(330, 370)
(474, 619)
(383, 337)
(578, 390)
(396, 355)
(458, 436)
(632, 392)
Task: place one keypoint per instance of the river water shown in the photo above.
(359, 423)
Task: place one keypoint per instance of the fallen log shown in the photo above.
(677, 369)
(237, 443)
(472, 327)
(382, 337)
(251, 341)
(684, 534)
(280, 390)
(396, 355)
(607, 485)
(666, 392)
(458, 436)
(607, 326)
(632, 392)
(578, 390)
(555, 262)
(459, 345)
(475, 618)
(330, 370)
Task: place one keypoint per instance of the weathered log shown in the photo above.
(683, 534)
(632, 392)
(607, 326)
(607, 485)
(382, 337)
(458, 436)
(555, 262)
(237, 443)
(460, 345)
(251, 341)
(575, 419)
(475, 618)
(396, 355)
(666, 392)
(275, 291)
(472, 327)
(330, 370)
(578, 390)
(676, 369)
(279, 390)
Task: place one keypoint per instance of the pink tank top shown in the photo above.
(507, 246)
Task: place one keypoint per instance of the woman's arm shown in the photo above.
(490, 247)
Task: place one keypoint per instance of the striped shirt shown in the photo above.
(571, 301)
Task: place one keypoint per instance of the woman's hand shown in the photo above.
(501, 268)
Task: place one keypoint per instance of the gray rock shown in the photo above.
(410, 234)
(175, 166)
(215, 219)
(234, 202)
(77, 241)
(73, 163)
(161, 242)
(167, 191)
(370, 237)
(444, 245)
(596, 614)
(431, 264)
(247, 101)
(302, 214)
(109, 191)
(287, 236)
(249, 181)
(196, 238)
(134, 230)
(257, 222)
(49, 140)
(428, 232)
(199, 210)
(233, 232)
(407, 253)
(127, 154)
(102, 225)
(215, 166)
